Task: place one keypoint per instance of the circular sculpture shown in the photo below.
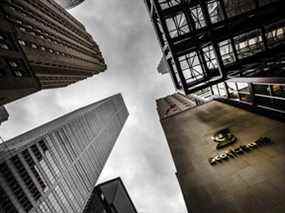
(224, 138)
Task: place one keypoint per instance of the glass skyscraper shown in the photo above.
(54, 168)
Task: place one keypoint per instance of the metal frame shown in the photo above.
(228, 38)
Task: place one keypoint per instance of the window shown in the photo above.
(15, 187)
(215, 11)
(164, 4)
(55, 203)
(4, 46)
(177, 25)
(43, 164)
(191, 67)
(237, 7)
(198, 17)
(34, 46)
(18, 73)
(210, 57)
(226, 51)
(63, 199)
(29, 160)
(22, 43)
(248, 44)
(5, 203)
(26, 177)
(13, 64)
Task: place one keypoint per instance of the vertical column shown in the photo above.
(21, 183)
(11, 196)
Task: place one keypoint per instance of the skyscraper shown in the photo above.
(227, 159)
(110, 197)
(68, 4)
(42, 46)
(54, 167)
(233, 49)
(3, 114)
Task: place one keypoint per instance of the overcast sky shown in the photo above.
(141, 156)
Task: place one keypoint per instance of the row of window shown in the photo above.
(233, 7)
(88, 50)
(244, 45)
(15, 67)
(25, 12)
(178, 25)
(63, 21)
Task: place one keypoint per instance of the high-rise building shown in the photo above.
(54, 167)
(233, 49)
(4, 115)
(110, 197)
(68, 4)
(227, 159)
(42, 46)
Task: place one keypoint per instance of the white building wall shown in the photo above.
(57, 171)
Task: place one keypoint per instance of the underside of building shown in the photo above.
(69, 4)
(221, 47)
(245, 175)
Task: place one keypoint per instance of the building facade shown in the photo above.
(68, 4)
(233, 49)
(4, 115)
(246, 175)
(42, 46)
(110, 197)
(208, 41)
(54, 167)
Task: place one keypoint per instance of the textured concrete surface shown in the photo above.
(254, 182)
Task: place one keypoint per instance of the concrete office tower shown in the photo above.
(42, 46)
(4, 115)
(250, 181)
(110, 197)
(54, 168)
(68, 4)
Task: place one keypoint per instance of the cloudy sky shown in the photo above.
(141, 156)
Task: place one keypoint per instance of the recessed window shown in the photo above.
(4, 46)
(22, 43)
(18, 73)
(34, 46)
(13, 64)
(23, 29)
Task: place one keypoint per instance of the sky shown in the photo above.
(141, 156)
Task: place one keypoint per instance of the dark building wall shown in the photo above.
(43, 46)
(253, 182)
(4, 115)
(110, 197)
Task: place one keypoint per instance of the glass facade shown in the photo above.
(57, 171)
